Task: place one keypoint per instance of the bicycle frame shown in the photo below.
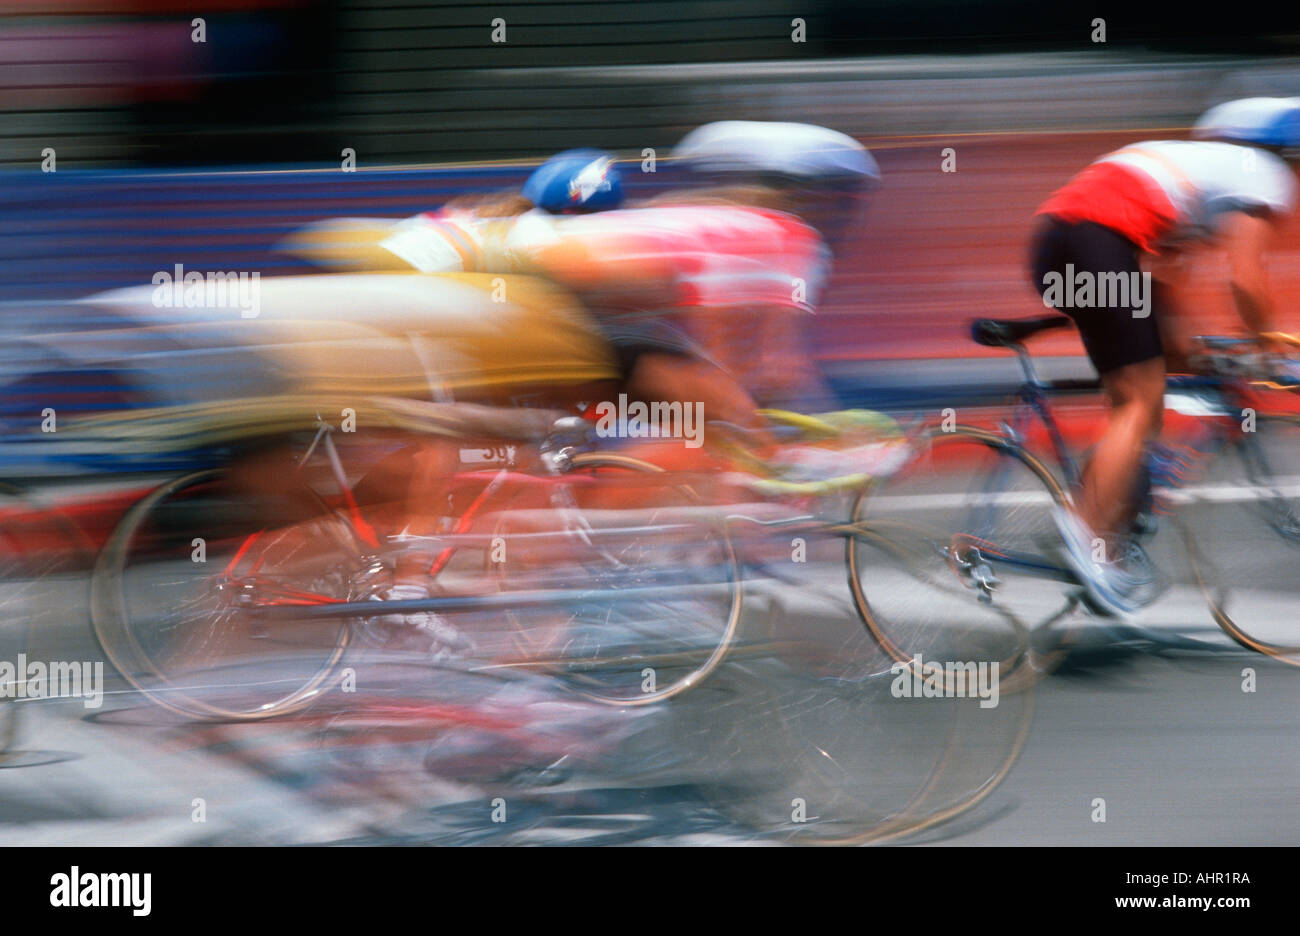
(1034, 402)
(555, 460)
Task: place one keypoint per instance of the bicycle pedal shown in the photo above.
(984, 578)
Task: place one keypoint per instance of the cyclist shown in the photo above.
(468, 234)
(733, 260)
(815, 174)
(755, 322)
(736, 249)
(1156, 203)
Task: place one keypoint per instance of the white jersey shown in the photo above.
(451, 242)
(1203, 180)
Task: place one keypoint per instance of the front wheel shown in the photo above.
(946, 557)
(1241, 523)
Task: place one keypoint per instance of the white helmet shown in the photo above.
(1261, 121)
(800, 152)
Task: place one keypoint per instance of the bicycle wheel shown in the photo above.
(839, 760)
(930, 557)
(182, 625)
(655, 579)
(1248, 509)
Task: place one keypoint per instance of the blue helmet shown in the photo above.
(1262, 121)
(576, 180)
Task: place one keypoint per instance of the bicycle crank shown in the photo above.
(972, 568)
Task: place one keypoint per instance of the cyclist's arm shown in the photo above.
(1246, 238)
(1169, 294)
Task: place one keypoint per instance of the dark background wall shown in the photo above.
(121, 83)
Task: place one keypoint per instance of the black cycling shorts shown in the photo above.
(1113, 335)
(632, 334)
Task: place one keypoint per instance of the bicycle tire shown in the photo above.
(1220, 587)
(892, 536)
(861, 772)
(113, 629)
(588, 686)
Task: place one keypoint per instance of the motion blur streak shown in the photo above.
(364, 567)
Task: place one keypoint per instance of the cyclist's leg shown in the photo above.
(432, 465)
(1175, 330)
(790, 376)
(1136, 396)
(418, 480)
(1123, 342)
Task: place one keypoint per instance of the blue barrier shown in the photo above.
(72, 232)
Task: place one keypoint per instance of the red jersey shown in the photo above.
(681, 256)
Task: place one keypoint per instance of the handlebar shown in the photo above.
(1227, 359)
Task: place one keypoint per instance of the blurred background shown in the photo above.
(129, 104)
(124, 84)
(133, 138)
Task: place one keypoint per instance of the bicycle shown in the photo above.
(204, 644)
(629, 576)
(985, 551)
(616, 567)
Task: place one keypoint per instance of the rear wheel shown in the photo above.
(176, 593)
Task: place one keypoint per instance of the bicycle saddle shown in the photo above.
(1003, 333)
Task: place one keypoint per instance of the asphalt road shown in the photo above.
(1152, 719)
